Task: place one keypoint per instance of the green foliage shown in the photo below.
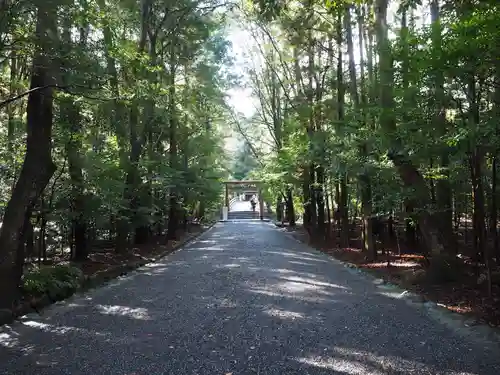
(244, 163)
(55, 281)
(118, 96)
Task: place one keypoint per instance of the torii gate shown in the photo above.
(253, 185)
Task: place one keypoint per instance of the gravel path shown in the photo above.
(242, 299)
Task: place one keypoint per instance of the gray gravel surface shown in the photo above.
(242, 299)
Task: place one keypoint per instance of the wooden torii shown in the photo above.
(254, 185)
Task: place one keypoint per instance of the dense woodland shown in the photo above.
(373, 118)
(383, 118)
(112, 119)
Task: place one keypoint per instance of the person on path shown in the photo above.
(253, 203)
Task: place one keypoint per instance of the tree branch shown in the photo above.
(66, 89)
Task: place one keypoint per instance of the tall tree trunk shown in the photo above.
(364, 176)
(11, 113)
(173, 205)
(328, 211)
(494, 205)
(38, 167)
(132, 179)
(279, 208)
(143, 230)
(290, 209)
(496, 103)
(443, 188)
(409, 174)
(311, 129)
(343, 192)
(73, 147)
(70, 114)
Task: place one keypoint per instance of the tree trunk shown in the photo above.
(173, 205)
(409, 174)
(344, 212)
(38, 167)
(132, 179)
(290, 209)
(279, 208)
(364, 176)
(320, 201)
(443, 189)
(494, 206)
(143, 231)
(70, 115)
(328, 211)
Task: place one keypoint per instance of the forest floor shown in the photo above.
(466, 296)
(103, 260)
(103, 264)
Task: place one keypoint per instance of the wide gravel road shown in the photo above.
(242, 299)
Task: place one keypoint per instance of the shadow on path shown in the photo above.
(242, 299)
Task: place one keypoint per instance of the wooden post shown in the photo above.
(261, 205)
(227, 198)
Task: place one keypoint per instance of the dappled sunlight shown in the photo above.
(314, 282)
(395, 294)
(212, 248)
(211, 242)
(243, 260)
(61, 329)
(155, 271)
(295, 292)
(151, 269)
(230, 265)
(286, 271)
(299, 263)
(295, 287)
(154, 265)
(300, 257)
(354, 361)
(267, 300)
(138, 313)
(341, 365)
(284, 314)
(224, 236)
(216, 303)
(9, 340)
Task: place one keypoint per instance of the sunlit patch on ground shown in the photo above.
(283, 314)
(356, 362)
(8, 340)
(135, 313)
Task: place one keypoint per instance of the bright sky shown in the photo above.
(240, 98)
(243, 45)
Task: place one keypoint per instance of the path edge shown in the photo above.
(97, 281)
(462, 325)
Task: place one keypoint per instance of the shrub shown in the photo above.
(57, 282)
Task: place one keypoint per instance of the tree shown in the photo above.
(391, 130)
(133, 123)
(244, 162)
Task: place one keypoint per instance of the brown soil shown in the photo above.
(105, 259)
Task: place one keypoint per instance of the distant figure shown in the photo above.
(253, 203)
